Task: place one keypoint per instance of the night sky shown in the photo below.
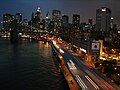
(86, 8)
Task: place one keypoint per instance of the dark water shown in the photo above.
(28, 66)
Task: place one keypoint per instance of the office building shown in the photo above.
(76, 20)
(7, 19)
(18, 17)
(103, 18)
(38, 15)
(47, 20)
(14, 31)
(48, 15)
(36, 19)
(56, 17)
(65, 19)
(90, 21)
(111, 23)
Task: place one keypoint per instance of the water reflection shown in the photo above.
(28, 66)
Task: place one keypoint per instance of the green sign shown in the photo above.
(95, 53)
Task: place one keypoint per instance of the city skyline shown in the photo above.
(67, 7)
(74, 41)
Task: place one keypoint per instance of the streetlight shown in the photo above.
(100, 64)
(115, 68)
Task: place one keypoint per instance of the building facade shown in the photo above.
(76, 20)
(7, 19)
(65, 19)
(56, 17)
(18, 17)
(103, 18)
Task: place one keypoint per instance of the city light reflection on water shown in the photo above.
(29, 66)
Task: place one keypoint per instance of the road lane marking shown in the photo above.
(92, 82)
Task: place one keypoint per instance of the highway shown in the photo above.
(84, 81)
(78, 74)
(90, 74)
(86, 78)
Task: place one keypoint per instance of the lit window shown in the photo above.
(103, 9)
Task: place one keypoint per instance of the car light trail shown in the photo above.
(61, 51)
(92, 82)
(80, 82)
(71, 62)
(71, 66)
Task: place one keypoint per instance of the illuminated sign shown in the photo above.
(95, 53)
(95, 46)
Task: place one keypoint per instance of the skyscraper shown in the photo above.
(14, 31)
(90, 24)
(76, 19)
(36, 19)
(47, 20)
(65, 31)
(38, 15)
(56, 17)
(18, 17)
(90, 21)
(103, 18)
(65, 19)
(76, 26)
(56, 14)
(111, 23)
(7, 19)
(48, 15)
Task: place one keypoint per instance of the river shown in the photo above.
(29, 66)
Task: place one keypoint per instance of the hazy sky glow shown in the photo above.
(86, 8)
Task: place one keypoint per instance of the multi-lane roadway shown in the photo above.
(86, 78)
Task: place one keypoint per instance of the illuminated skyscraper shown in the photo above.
(103, 18)
(111, 23)
(18, 17)
(76, 19)
(47, 20)
(7, 19)
(90, 24)
(38, 14)
(36, 19)
(76, 26)
(56, 17)
(56, 14)
(14, 31)
(48, 15)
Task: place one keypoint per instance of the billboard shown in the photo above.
(95, 46)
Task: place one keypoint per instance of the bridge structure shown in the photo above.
(83, 76)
